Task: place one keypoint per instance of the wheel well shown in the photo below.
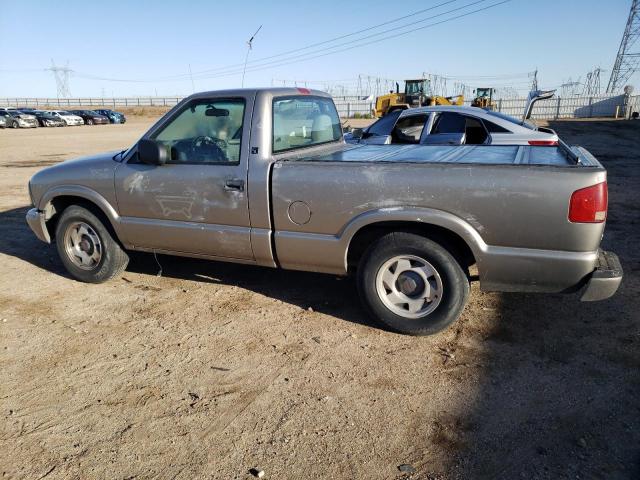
(59, 204)
(451, 241)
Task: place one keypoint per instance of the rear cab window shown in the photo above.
(304, 121)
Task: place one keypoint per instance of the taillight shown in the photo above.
(589, 205)
(543, 142)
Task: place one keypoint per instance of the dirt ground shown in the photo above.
(213, 369)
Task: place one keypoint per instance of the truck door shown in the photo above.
(197, 201)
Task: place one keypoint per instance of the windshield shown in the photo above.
(414, 88)
(65, 114)
(511, 119)
(304, 121)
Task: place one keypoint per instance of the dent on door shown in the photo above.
(184, 208)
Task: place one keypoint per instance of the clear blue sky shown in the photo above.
(149, 40)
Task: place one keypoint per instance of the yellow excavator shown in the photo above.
(484, 98)
(417, 93)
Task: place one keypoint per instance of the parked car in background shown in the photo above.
(47, 120)
(90, 117)
(27, 110)
(112, 115)
(18, 119)
(67, 117)
(452, 125)
(3, 119)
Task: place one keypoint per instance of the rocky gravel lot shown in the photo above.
(212, 369)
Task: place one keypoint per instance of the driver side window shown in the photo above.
(207, 131)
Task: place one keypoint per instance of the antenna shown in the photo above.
(193, 86)
(61, 76)
(249, 48)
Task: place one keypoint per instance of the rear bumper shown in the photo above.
(37, 223)
(605, 279)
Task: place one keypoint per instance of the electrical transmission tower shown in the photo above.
(627, 62)
(569, 88)
(61, 74)
(592, 83)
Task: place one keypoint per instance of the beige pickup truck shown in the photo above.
(264, 177)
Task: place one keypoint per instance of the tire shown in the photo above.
(433, 281)
(81, 234)
(15, 124)
(89, 121)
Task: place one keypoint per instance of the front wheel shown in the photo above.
(15, 124)
(89, 121)
(412, 284)
(87, 249)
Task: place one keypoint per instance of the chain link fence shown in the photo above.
(615, 106)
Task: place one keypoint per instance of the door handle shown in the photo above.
(234, 185)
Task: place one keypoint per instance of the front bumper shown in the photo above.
(37, 223)
(28, 123)
(605, 279)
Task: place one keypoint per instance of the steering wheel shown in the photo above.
(207, 147)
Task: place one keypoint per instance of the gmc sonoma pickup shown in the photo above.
(264, 177)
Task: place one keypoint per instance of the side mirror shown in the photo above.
(444, 139)
(152, 153)
(357, 132)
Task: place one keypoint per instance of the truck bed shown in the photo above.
(560, 156)
(511, 201)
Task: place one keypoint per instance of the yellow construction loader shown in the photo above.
(484, 98)
(417, 93)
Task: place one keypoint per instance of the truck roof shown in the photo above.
(273, 91)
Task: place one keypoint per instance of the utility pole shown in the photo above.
(249, 48)
(627, 62)
(61, 76)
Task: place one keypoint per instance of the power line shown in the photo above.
(281, 54)
(258, 65)
(288, 53)
(319, 55)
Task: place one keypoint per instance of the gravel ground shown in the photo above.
(213, 369)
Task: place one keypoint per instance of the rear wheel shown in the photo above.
(412, 284)
(89, 121)
(87, 249)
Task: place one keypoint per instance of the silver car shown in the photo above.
(17, 119)
(454, 125)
